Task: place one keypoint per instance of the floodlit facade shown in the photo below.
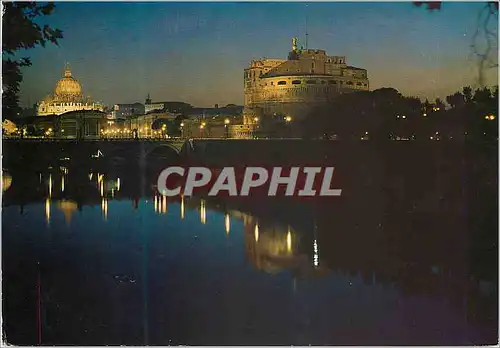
(67, 97)
(309, 77)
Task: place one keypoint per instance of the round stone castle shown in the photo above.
(291, 87)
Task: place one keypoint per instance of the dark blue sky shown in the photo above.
(196, 52)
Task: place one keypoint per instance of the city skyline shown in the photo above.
(196, 52)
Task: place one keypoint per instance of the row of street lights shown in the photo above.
(125, 133)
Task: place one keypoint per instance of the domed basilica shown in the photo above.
(67, 97)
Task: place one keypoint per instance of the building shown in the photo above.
(8, 127)
(209, 128)
(290, 88)
(67, 97)
(211, 122)
(229, 111)
(148, 125)
(80, 124)
(242, 131)
(123, 111)
(149, 106)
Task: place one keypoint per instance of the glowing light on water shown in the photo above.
(164, 204)
(47, 210)
(289, 240)
(101, 188)
(156, 204)
(182, 207)
(316, 253)
(203, 212)
(104, 208)
(227, 223)
(118, 184)
(6, 181)
(256, 232)
(62, 183)
(68, 208)
(50, 185)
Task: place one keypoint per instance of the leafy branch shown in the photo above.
(21, 32)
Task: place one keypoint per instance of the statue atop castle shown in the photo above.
(294, 53)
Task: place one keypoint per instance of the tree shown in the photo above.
(467, 91)
(456, 100)
(427, 106)
(21, 32)
(482, 96)
(439, 104)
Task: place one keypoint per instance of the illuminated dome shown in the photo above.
(68, 86)
(67, 97)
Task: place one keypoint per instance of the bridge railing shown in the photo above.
(100, 139)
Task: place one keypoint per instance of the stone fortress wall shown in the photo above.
(291, 87)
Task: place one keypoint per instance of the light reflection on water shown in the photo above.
(300, 287)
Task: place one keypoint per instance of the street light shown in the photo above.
(288, 119)
(201, 129)
(226, 126)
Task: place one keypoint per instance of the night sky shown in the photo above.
(196, 52)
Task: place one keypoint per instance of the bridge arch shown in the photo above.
(153, 146)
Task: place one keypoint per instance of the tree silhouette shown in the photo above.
(456, 100)
(467, 94)
(439, 104)
(21, 32)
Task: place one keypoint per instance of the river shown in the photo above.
(94, 258)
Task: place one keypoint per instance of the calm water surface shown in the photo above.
(91, 258)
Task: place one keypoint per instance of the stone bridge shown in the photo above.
(52, 151)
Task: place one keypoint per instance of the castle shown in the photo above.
(290, 88)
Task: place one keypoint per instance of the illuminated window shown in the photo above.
(281, 82)
(296, 82)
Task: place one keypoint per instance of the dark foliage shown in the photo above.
(21, 32)
(385, 114)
